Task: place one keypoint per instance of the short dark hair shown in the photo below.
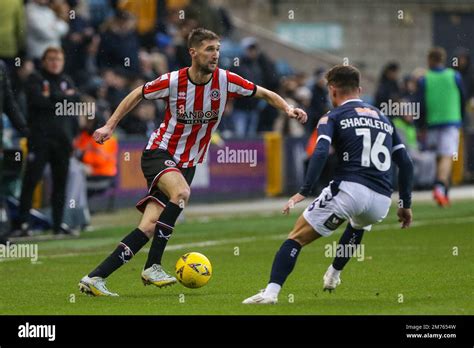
(344, 77)
(198, 35)
(437, 55)
(52, 49)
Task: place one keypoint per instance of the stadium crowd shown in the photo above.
(112, 46)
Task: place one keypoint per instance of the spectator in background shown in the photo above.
(206, 15)
(100, 11)
(290, 91)
(76, 46)
(246, 110)
(19, 83)
(12, 31)
(152, 64)
(183, 59)
(271, 80)
(9, 105)
(409, 88)
(319, 104)
(51, 137)
(146, 14)
(442, 103)
(100, 160)
(464, 67)
(141, 121)
(424, 162)
(388, 87)
(116, 81)
(167, 53)
(119, 44)
(97, 89)
(45, 28)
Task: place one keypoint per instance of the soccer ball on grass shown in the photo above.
(193, 270)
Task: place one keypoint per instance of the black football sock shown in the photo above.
(347, 246)
(446, 190)
(163, 230)
(284, 262)
(440, 184)
(127, 248)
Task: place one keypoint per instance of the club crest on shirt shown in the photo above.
(215, 94)
(170, 163)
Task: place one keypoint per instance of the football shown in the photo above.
(193, 270)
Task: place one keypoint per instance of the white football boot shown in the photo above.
(260, 298)
(157, 276)
(95, 286)
(331, 279)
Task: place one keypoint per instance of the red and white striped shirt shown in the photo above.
(193, 111)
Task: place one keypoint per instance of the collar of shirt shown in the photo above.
(438, 68)
(351, 100)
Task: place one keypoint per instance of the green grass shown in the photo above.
(417, 263)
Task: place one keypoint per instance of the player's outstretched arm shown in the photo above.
(405, 183)
(126, 105)
(315, 168)
(278, 102)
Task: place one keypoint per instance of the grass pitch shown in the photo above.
(427, 269)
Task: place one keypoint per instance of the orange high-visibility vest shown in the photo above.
(311, 145)
(101, 158)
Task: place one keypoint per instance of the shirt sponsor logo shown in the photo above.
(333, 222)
(197, 117)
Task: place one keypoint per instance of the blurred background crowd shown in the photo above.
(112, 46)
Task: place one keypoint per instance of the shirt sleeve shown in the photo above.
(320, 155)
(157, 89)
(397, 143)
(238, 87)
(325, 128)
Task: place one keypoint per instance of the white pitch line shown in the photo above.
(171, 247)
(413, 224)
(251, 239)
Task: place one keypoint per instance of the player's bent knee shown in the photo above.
(300, 238)
(147, 227)
(181, 195)
(303, 234)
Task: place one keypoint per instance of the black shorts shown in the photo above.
(155, 163)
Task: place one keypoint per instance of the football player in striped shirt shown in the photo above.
(196, 98)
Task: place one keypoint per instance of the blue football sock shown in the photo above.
(349, 241)
(285, 260)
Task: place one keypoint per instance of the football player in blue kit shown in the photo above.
(366, 143)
